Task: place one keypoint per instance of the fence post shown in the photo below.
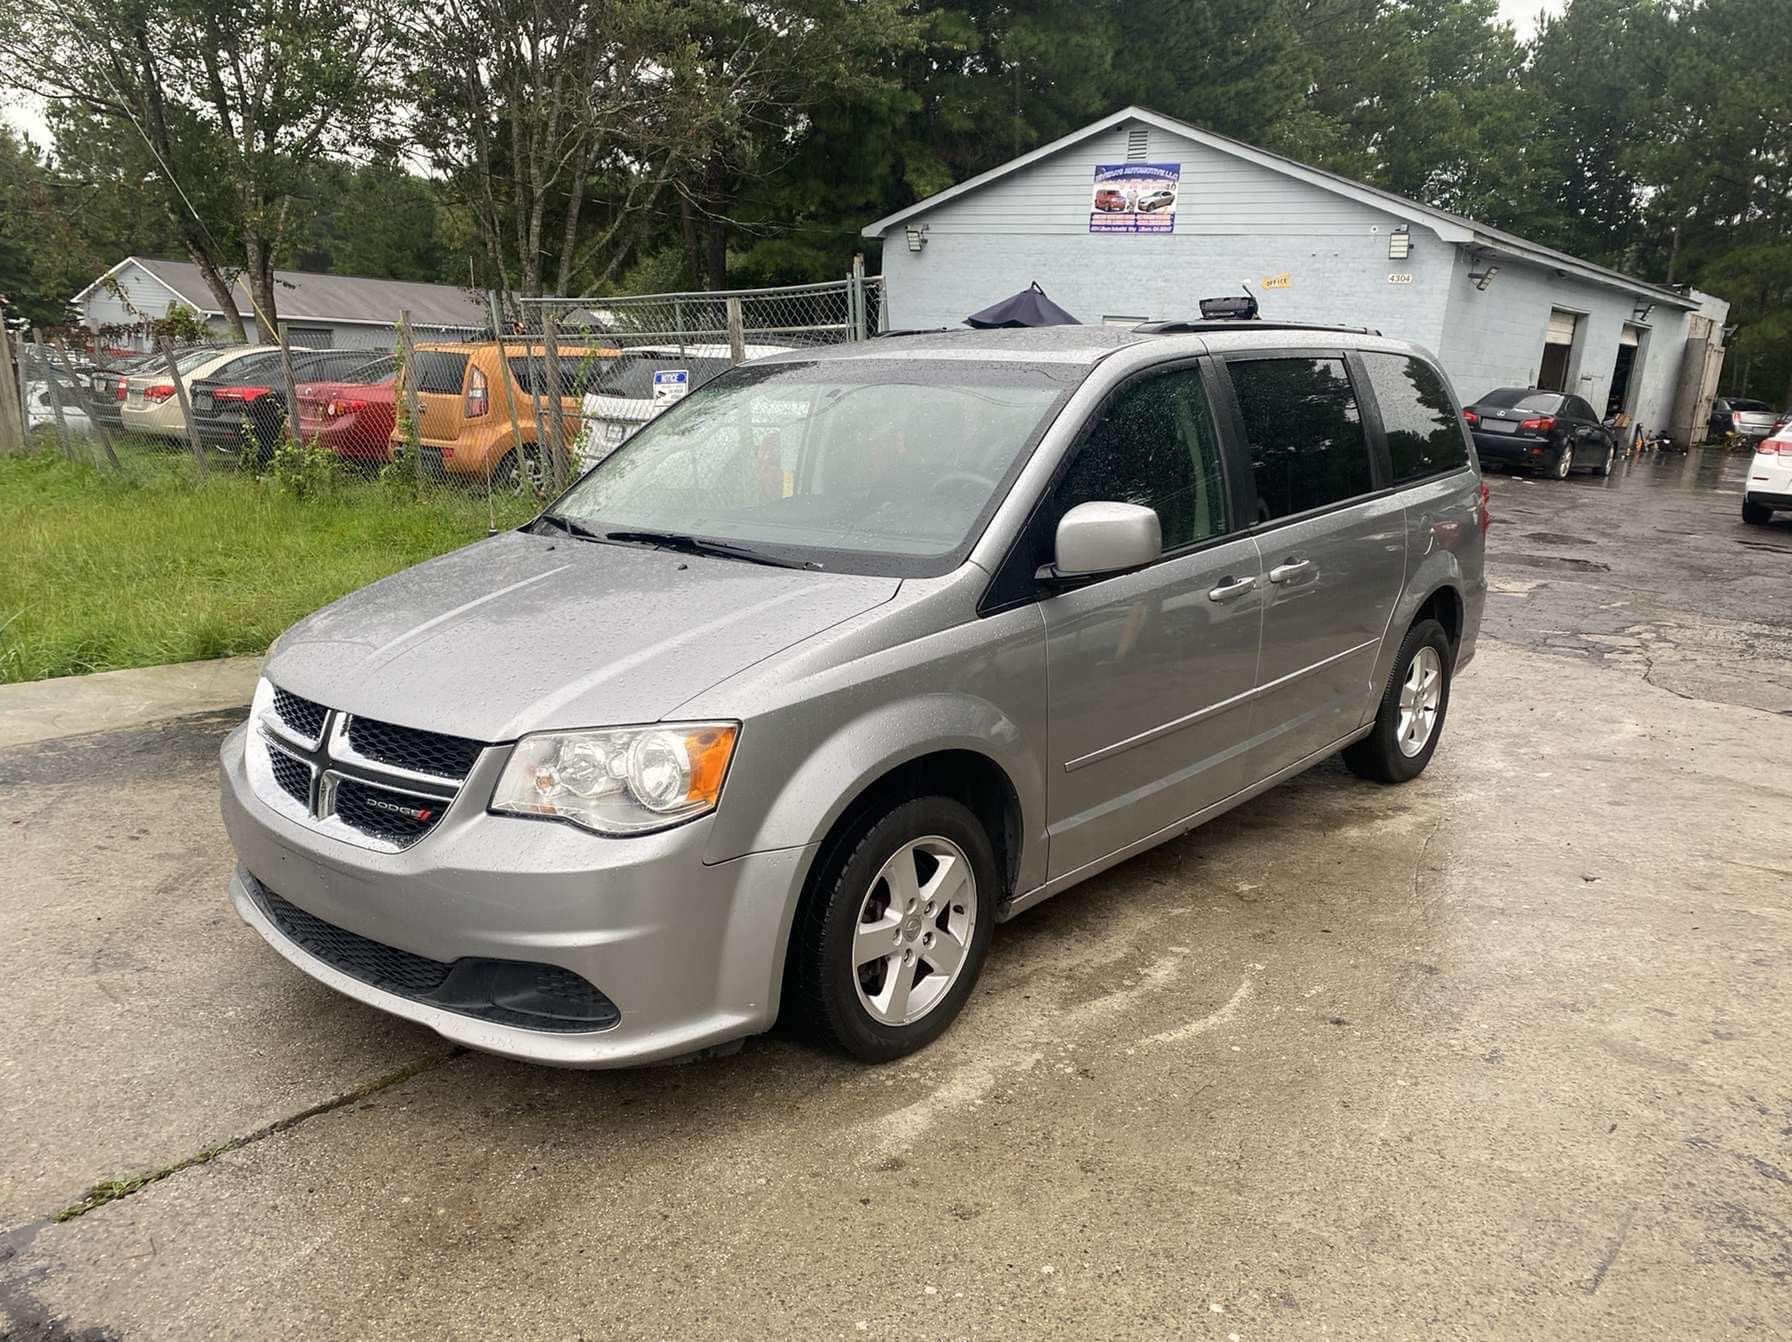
(292, 392)
(413, 407)
(54, 392)
(855, 298)
(93, 420)
(678, 323)
(505, 380)
(556, 398)
(13, 426)
(186, 406)
(737, 332)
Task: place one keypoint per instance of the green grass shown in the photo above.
(102, 569)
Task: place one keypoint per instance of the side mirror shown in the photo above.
(1097, 538)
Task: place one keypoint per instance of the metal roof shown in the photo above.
(304, 296)
(1449, 227)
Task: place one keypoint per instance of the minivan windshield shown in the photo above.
(886, 466)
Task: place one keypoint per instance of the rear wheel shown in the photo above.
(890, 943)
(525, 479)
(1756, 514)
(1411, 716)
(1564, 463)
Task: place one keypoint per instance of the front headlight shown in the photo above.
(618, 780)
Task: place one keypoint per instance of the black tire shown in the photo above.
(1756, 514)
(530, 481)
(1611, 457)
(1378, 756)
(822, 994)
(1563, 466)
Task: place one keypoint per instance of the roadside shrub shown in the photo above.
(303, 470)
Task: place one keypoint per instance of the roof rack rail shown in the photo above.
(1195, 325)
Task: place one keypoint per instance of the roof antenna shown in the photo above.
(1246, 286)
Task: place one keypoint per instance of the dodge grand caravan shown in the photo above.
(849, 656)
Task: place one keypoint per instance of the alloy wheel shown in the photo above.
(1566, 464)
(1421, 692)
(914, 930)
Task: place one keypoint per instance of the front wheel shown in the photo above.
(1611, 457)
(1756, 514)
(1410, 718)
(893, 938)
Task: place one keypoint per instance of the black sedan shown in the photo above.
(245, 406)
(1547, 431)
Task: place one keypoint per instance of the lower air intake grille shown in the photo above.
(519, 993)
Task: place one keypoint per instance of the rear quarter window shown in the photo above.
(440, 372)
(1424, 432)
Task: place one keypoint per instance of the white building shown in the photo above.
(1138, 216)
(320, 311)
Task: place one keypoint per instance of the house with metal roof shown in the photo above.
(1138, 216)
(320, 311)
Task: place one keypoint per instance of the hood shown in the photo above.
(522, 633)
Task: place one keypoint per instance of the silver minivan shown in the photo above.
(851, 655)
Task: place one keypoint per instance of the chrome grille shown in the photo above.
(376, 784)
(407, 748)
(301, 715)
(291, 775)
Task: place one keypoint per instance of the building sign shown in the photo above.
(1135, 198)
(1400, 277)
(1282, 281)
(669, 384)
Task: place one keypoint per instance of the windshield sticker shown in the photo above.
(669, 384)
(1135, 198)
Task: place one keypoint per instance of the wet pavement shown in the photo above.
(1652, 571)
(1503, 1052)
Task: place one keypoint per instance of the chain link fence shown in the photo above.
(517, 408)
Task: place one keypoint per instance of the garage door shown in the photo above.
(1558, 349)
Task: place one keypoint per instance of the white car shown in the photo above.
(1769, 483)
(628, 391)
(40, 409)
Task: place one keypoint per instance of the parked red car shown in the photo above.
(352, 419)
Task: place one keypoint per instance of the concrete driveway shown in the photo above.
(1504, 1052)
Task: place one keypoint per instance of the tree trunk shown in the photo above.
(221, 291)
(261, 288)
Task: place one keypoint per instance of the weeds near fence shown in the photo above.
(143, 565)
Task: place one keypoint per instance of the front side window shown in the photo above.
(1154, 445)
(862, 465)
(1423, 431)
(1305, 433)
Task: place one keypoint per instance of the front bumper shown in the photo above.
(691, 954)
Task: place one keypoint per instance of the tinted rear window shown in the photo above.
(440, 372)
(1305, 433)
(1423, 430)
(580, 372)
(1738, 403)
(1522, 398)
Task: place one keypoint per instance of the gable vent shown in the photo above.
(1137, 144)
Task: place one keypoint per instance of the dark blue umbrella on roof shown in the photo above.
(1029, 307)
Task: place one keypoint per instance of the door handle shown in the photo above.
(1290, 571)
(1230, 587)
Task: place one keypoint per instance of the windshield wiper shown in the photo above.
(693, 545)
(567, 525)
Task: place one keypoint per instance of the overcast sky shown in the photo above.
(26, 114)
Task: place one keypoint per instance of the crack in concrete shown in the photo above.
(114, 1190)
